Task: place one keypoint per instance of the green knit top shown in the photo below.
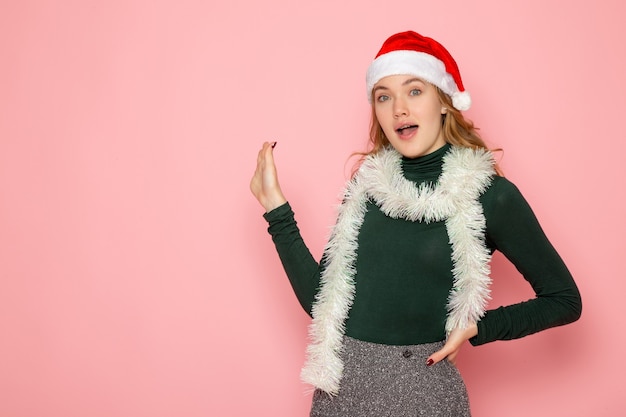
(404, 269)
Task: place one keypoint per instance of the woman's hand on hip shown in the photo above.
(453, 345)
(264, 184)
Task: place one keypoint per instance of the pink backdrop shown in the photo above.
(136, 276)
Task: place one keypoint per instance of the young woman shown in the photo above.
(404, 279)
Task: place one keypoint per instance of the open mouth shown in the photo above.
(406, 129)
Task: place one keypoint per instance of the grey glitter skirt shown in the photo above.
(394, 381)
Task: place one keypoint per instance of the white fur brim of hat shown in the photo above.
(420, 64)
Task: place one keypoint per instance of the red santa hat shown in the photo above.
(409, 53)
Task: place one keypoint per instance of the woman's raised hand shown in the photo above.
(264, 184)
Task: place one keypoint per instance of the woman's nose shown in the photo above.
(400, 108)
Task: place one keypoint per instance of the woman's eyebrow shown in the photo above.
(412, 80)
(380, 87)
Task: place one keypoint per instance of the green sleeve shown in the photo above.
(301, 268)
(513, 229)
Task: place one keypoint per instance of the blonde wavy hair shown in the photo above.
(457, 131)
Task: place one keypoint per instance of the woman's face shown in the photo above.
(409, 112)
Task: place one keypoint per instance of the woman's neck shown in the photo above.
(425, 168)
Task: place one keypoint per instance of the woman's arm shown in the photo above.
(301, 268)
(513, 229)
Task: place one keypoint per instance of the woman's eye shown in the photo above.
(382, 98)
(415, 92)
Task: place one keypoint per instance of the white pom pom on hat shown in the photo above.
(409, 53)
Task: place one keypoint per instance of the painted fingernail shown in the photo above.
(429, 362)
(274, 144)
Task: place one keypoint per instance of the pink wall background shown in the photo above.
(136, 276)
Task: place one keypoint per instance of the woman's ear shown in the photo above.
(444, 110)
